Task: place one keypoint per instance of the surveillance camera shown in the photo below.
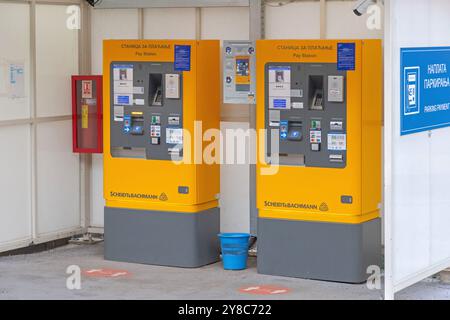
(93, 2)
(362, 6)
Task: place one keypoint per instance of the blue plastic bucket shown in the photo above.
(234, 250)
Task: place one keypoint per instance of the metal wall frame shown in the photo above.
(120, 4)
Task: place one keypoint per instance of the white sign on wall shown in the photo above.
(12, 79)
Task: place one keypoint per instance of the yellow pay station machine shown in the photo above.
(319, 210)
(159, 210)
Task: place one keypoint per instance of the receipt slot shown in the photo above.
(319, 213)
(87, 116)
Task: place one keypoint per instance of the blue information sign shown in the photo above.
(425, 89)
(346, 56)
(182, 58)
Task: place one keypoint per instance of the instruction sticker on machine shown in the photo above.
(337, 142)
(182, 58)
(123, 84)
(346, 56)
(174, 136)
(280, 87)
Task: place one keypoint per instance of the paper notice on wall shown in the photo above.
(12, 80)
(123, 84)
(17, 80)
(279, 87)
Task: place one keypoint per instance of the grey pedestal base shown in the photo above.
(162, 238)
(321, 251)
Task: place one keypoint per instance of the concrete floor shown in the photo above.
(42, 276)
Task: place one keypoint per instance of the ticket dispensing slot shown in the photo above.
(316, 92)
(155, 89)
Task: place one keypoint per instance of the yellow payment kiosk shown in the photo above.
(319, 170)
(161, 199)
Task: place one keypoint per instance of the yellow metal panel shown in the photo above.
(157, 180)
(208, 110)
(319, 190)
(372, 124)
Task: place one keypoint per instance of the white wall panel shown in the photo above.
(342, 23)
(97, 199)
(170, 23)
(15, 183)
(110, 24)
(439, 196)
(15, 40)
(438, 26)
(412, 193)
(225, 23)
(58, 178)
(234, 189)
(418, 223)
(56, 60)
(300, 20)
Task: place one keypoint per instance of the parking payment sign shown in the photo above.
(425, 89)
